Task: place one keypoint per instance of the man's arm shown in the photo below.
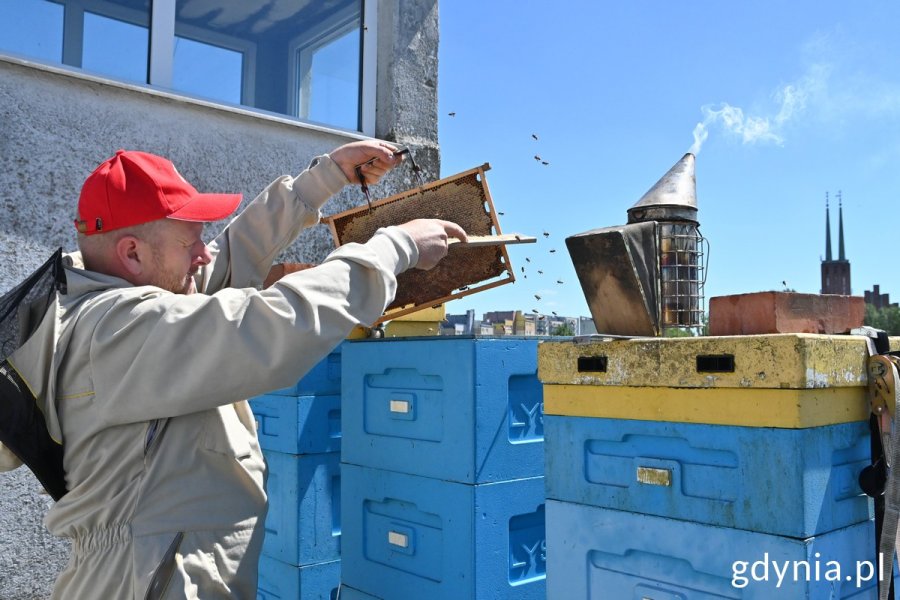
(245, 251)
(155, 354)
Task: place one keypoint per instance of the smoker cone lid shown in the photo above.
(677, 189)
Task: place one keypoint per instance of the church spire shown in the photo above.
(840, 228)
(827, 231)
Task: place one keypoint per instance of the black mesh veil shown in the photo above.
(22, 427)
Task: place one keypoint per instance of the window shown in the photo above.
(301, 58)
(116, 47)
(326, 81)
(32, 28)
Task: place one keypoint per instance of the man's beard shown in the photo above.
(170, 282)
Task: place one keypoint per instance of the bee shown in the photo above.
(544, 162)
(537, 158)
(537, 297)
(546, 234)
(451, 114)
(535, 311)
(534, 135)
(463, 288)
(554, 313)
(540, 272)
(527, 259)
(523, 269)
(501, 214)
(559, 281)
(552, 250)
(541, 318)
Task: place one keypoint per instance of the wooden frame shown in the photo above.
(463, 198)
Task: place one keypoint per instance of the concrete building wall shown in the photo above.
(57, 125)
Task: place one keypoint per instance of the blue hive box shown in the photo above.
(303, 524)
(281, 581)
(322, 379)
(411, 537)
(793, 482)
(298, 425)
(601, 553)
(348, 593)
(454, 408)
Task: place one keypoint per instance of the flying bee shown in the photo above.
(559, 281)
(554, 313)
(552, 250)
(501, 214)
(540, 272)
(537, 158)
(523, 269)
(534, 135)
(537, 297)
(527, 259)
(451, 114)
(535, 311)
(546, 234)
(544, 162)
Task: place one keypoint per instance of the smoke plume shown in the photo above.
(790, 100)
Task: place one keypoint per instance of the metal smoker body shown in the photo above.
(647, 276)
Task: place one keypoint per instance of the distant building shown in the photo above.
(514, 322)
(460, 324)
(585, 326)
(877, 299)
(835, 273)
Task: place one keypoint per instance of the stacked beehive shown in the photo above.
(442, 470)
(299, 431)
(701, 467)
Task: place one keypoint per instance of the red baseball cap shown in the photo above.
(132, 188)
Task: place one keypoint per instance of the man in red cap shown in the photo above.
(143, 381)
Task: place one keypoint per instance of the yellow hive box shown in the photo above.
(795, 361)
(782, 408)
(786, 380)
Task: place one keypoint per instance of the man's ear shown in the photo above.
(132, 255)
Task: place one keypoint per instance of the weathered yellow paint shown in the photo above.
(400, 328)
(359, 333)
(783, 408)
(794, 361)
(431, 313)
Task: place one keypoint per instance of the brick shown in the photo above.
(784, 312)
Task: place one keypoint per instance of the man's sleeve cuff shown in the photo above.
(323, 179)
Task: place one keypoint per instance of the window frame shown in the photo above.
(302, 48)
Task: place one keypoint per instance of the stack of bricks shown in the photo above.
(442, 470)
(703, 467)
(299, 430)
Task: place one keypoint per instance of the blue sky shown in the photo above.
(796, 99)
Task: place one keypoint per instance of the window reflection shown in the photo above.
(294, 57)
(116, 47)
(32, 28)
(329, 89)
(299, 57)
(207, 71)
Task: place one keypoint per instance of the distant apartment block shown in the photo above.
(877, 299)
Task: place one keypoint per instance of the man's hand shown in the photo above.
(350, 155)
(430, 236)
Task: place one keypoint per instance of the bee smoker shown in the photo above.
(646, 277)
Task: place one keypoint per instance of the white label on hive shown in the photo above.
(653, 476)
(400, 406)
(398, 539)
